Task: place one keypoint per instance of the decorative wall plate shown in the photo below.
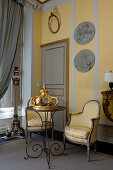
(84, 32)
(84, 60)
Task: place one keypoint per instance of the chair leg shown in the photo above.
(52, 130)
(88, 153)
(64, 140)
(95, 147)
(26, 136)
(30, 134)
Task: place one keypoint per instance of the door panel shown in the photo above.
(55, 74)
(56, 92)
(56, 56)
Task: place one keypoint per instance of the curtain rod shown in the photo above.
(34, 5)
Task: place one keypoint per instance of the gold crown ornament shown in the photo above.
(38, 101)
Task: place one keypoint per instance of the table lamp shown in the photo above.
(108, 77)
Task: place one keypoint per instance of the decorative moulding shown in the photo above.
(84, 60)
(84, 32)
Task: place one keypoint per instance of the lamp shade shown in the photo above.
(108, 77)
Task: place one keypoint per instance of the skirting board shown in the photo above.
(105, 131)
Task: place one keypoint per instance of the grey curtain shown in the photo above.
(11, 13)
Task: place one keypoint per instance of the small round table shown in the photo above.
(54, 148)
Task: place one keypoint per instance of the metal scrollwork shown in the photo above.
(33, 150)
(57, 148)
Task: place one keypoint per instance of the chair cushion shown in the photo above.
(37, 123)
(34, 123)
(77, 131)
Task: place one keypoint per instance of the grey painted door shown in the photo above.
(55, 74)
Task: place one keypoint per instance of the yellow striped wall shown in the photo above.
(84, 11)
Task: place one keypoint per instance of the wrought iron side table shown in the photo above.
(36, 148)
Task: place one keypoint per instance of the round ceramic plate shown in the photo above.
(84, 32)
(84, 60)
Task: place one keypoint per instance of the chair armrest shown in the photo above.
(74, 113)
(70, 115)
(68, 119)
(93, 132)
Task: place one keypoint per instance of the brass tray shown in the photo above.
(45, 107)
(48, 108)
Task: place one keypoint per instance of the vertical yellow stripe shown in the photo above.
(37, 51)
(105, 43)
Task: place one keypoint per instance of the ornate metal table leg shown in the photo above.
(33, 149)
(52, 114)
(47, 151)
(45, 139)
(56, 148)
(52, 129)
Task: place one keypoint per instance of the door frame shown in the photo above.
(67, 68)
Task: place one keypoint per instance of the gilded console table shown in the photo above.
(34, 149)
(107, 98)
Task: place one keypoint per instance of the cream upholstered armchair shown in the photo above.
(33, 120)
(82, 127)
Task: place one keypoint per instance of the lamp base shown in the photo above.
(15, 130)
(111, 85)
